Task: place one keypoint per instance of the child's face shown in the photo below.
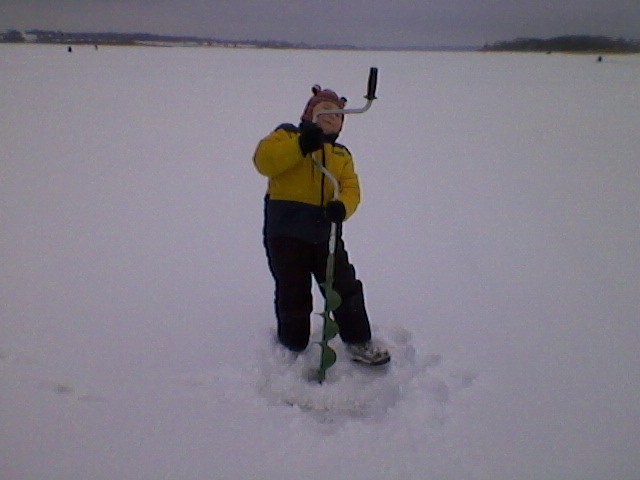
(330, 123)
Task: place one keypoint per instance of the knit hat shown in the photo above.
(320, 95)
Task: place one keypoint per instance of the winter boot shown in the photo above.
(368, 353)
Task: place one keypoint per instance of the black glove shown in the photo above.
(311, 137)
(335, 211)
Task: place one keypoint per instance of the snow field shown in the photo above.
(497, 241)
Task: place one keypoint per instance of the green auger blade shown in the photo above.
(332, 298)
(330, 329)
(327, 359)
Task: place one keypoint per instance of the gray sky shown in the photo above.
(357, 22)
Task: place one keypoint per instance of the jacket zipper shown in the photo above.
(324, 164)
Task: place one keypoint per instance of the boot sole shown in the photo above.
(374, 363)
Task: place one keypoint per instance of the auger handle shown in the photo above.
(372, 84)
(370, 96)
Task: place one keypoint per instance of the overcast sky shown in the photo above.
(390, 23)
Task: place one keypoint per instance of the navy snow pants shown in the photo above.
(293, 263)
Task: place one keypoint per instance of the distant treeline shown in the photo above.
(112, 38)
(570, 43)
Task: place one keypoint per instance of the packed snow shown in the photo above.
(498, 241)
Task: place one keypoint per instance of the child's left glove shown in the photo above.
(335, 211)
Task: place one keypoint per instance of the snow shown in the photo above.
(498, 241)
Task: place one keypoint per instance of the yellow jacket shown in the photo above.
(297, 189)
(296, 178)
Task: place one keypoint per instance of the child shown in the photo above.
(299, 209)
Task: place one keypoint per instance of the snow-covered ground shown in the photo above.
(498, 240)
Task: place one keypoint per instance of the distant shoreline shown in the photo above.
(584, 44)
(145, 39)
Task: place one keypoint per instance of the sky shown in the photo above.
(364, 23)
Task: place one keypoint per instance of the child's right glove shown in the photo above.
(311, 137)
(335, 211)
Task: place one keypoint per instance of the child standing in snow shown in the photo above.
(299, 209)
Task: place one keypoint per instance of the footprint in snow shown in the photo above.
(67, 389)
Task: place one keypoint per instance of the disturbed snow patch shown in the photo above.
(350, 389)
